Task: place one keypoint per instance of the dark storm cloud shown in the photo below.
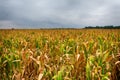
(61, 13)
(4, 13)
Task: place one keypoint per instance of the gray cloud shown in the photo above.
(60, 13)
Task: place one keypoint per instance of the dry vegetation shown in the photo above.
(59, 54)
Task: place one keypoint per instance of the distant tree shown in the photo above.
(13, 28)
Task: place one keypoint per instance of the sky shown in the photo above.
(58, 13)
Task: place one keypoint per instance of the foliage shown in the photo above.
(84, 54)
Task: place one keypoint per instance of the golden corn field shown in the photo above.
(83, 54)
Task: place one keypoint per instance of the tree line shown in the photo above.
(103, 27)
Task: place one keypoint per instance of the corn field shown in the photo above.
(83, 54)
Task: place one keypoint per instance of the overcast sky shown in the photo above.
(58, 13)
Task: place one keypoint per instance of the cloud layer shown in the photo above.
(59, 13)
